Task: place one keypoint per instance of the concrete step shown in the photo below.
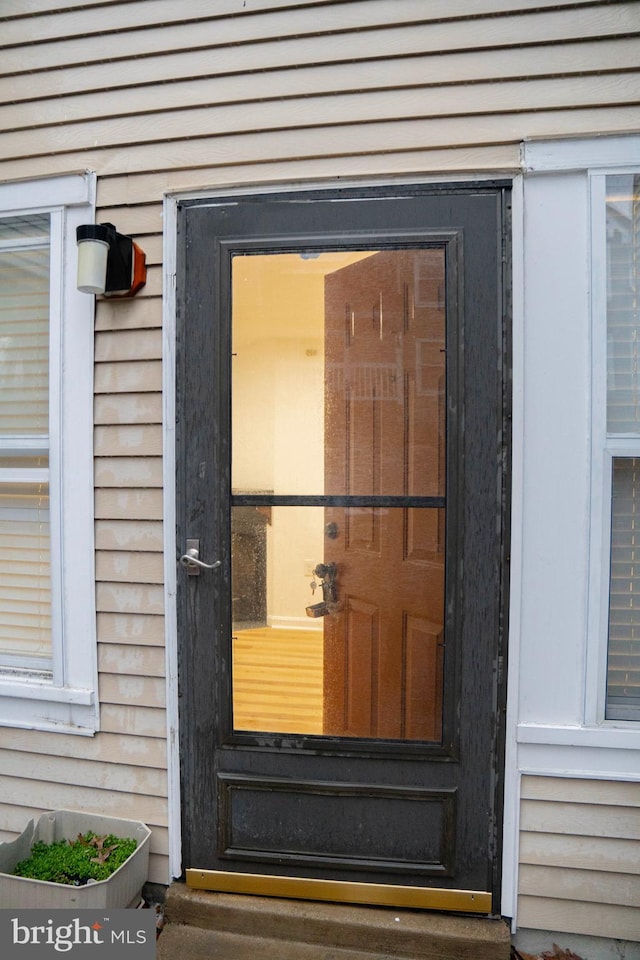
(201, 924)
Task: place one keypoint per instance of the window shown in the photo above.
(25, 589)
(47, 608)
(623, 443)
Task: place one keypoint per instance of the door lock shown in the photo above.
(327, 573)
(191, 560)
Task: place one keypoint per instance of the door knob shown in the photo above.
(328, 572)
(191, 560)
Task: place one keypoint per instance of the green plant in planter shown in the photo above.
(75, 862)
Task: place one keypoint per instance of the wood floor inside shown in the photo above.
(277, 680)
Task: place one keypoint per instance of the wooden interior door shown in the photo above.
(385, 364)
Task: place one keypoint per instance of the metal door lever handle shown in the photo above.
(191, 559)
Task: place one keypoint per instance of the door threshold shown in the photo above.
(338, 891)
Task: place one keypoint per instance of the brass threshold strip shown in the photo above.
(371, 894)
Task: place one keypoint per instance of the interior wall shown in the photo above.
(278, 418)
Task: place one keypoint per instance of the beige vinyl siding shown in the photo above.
(129, 557)
(579, 855)
(121, 772)
(156, 96)
(337, 86)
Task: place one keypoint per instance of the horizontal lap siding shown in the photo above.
(157, 96)
(319, 90)
(579, 854)
(129, 535)
(123, 770)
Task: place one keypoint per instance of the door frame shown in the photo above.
(506, 786)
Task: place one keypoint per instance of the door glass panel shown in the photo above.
(339, 392)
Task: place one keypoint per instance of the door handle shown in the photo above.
(327, 572)
(318, 609)
(191, 559)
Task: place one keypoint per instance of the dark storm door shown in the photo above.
(341, 450)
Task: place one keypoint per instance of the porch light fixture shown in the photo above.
(108, 262)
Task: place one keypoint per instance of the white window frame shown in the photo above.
(604, 450)
(65, 699)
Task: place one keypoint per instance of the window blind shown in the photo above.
(24, 338)
(623, 674)
(623, 420)
(25, 576)
(623, 289)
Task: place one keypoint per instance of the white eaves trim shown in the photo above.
(557, 155)
(67, 190)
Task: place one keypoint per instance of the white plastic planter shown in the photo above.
(121, 889)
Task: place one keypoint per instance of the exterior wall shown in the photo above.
(579, 854)
(581, 775)
(162, 97)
